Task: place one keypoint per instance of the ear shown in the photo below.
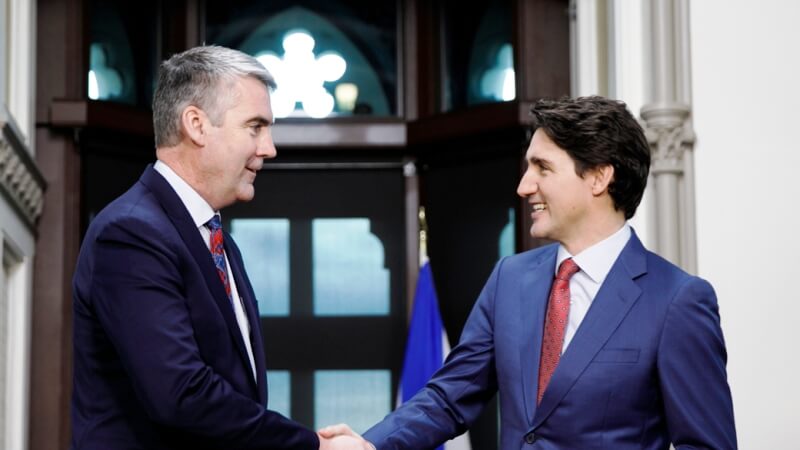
(601, 177)
(195, 125)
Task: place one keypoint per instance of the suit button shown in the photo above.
(530, 438)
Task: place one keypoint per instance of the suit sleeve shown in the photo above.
(139, 297)
(691, 367)
(456, 394)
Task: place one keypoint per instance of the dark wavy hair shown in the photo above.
(596, 131)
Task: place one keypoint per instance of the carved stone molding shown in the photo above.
(670, 135)
(20, 180)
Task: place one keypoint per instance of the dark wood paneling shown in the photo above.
(465, 123)
(326, 338)
(61, 61)
(181, 26)
(61, 53)
(427, 51)
(100, 114)
(542, 49)
(51, 315)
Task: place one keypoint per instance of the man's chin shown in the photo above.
(539, 232)
(245, 198)
(246, 194)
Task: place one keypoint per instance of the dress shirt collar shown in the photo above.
(199, 209)
(596, 261)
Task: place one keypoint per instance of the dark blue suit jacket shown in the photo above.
(159, 360)
(646, 367)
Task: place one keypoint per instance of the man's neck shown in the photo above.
(184, 169)
(596, 230)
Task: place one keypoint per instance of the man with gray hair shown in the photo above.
(167, 347)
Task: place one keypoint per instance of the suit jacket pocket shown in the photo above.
(617, 355)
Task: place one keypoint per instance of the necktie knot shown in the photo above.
(567, 269)
(215, 223)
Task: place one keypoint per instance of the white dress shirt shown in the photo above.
(595, 262)
(201, 213)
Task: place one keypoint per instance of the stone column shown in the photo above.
(667, 117)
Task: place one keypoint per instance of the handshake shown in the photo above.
(342, 437)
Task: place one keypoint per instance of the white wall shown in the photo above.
(746, 73)
(20, 64)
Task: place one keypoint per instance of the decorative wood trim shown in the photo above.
(469, 122)
(288, 133)
(91, 113)
(337, 134)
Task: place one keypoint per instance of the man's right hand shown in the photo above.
(342, 437)
(344, 443)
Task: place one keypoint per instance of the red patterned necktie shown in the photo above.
(218, 251)
(555, 324)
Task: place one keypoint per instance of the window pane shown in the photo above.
(279, 384)
(360, 398)
(479, 57)
(265, 249)
(299, 40)
(122, 51)
(506, 244)
(349, 274)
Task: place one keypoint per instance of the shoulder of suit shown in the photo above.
(658, 263)
(538, 252)
(669, 274)
(529, 257)
(137, 210)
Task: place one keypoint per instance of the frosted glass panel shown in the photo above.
(265, 249)
(349, 274)
(506, 243)
(279, 387)
(360, 398)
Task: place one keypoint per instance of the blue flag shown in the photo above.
(427, 346)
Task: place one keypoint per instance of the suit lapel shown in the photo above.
(617, 295)
(249, 301)
(182, 220)
(534, 291)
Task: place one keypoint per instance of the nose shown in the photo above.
(266, 147)
(528, 185)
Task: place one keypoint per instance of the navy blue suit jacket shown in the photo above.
(645, 368)
(159, 360)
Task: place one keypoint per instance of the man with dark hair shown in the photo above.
(593, 341)
(167, 347)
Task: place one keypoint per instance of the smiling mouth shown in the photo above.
(539, 207)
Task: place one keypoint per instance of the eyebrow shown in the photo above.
(539, 161)
(260, 120)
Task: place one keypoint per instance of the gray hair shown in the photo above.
(197, 77)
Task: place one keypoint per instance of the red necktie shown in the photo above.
(555, 324)
(218, 251)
